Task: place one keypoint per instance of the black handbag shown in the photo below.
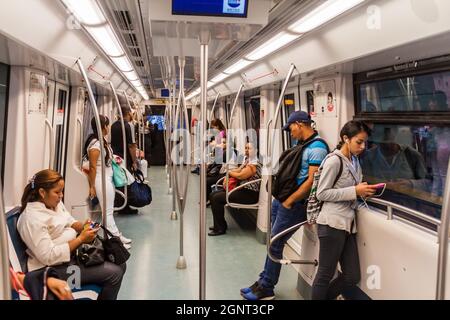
(139, 193)
(115, 252)
(91, 254)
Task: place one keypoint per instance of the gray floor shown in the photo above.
(233, 260)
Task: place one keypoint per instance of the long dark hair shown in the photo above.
(45, 179)
(219, 124)
(104, 122)
(351, 129)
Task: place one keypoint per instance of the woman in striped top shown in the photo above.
(250, 170)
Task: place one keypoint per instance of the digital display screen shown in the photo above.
(222, 8)
(157, 121)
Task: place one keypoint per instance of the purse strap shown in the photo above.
(109, 234)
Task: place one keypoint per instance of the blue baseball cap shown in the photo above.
(297, 116)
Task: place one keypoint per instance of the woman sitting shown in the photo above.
(52, 236)
(250, 170)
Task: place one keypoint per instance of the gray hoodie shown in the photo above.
(340, 201)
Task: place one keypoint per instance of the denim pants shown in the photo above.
(282, 219)
(335, 246)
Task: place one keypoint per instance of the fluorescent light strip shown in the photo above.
(273, 44)
(107, 40)
(86, 11)
(123, 63)
(219, 78)
(89, 14)
(322, 14)
(131, 75)
(238, 66)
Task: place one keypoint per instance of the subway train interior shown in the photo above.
(177, 83)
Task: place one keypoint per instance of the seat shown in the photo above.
(228, 193)
(19, 257)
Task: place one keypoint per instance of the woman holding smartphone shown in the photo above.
(337, 219)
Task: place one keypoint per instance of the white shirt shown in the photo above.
(47, 234)
(95, 145)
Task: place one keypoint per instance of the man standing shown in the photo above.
(117, 145)
(293, 210)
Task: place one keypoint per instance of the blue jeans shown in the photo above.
(282, 219)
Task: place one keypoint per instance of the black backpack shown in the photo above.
(284, 182)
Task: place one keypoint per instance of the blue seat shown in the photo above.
(86, 292)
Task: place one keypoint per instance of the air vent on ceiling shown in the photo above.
(136, 52)
(131, 39)
(140, 63)
(124, 20)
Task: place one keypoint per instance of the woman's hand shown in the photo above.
(365, 190)
(88, 235)
(92, 192)
(60, 288)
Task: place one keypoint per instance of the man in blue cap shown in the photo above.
(292, 210)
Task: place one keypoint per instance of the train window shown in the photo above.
(4, 79)
(412, 160)
(252, 116)
(419, 93)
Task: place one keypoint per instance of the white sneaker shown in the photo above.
(127, 246)
(125, 240)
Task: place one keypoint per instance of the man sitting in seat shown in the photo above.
(250, 170)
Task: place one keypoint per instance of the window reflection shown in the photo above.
(413, 161)
(420, 93)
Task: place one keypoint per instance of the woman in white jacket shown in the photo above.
(52, 236)
(336, 222)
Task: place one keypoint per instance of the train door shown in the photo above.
(58, 111)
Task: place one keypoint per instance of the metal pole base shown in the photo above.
(170, 191)
(181, 263)
(174, 216)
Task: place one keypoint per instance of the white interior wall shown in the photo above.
(26, 138)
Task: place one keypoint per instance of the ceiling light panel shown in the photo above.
(322, 14)
(123, 63)
(219, 78)
(273, 44)
(86, 11)
(106, 39)
(238, 66)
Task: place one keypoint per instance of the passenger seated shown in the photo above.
(250, 170)
(217, 169)
(31, 285)
(52, 236)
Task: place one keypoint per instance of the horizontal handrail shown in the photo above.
(239, 205)
(288, 261)
(412, 212)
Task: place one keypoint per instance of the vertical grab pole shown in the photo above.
(269, 155)
(100, 137)
(229, 136)
(174, 215)
(51, 140)
(443, 241)
(204, 41)
(183, 120)
(124, 141)
(211, 115)
(5, 293)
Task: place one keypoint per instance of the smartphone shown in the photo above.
(380, 187)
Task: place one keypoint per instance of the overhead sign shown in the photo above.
(222, 8)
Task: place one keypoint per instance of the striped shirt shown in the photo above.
(256, 176)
